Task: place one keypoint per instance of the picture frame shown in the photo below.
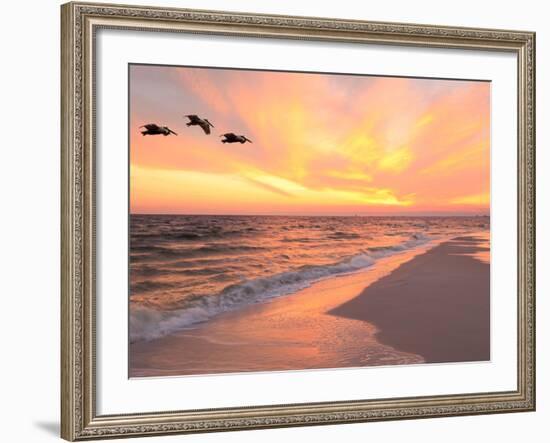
(81, 22)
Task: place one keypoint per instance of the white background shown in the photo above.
(29, 221)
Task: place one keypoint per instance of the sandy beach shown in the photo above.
(436, 306)
(418, 306)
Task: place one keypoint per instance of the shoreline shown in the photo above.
(292, 332)
(436, 305)
(322, 326)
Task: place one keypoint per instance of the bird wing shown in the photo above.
(151, 126)
(205, 127)
(192, 117)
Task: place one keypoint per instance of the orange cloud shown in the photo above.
(326, 143)
(476, 200)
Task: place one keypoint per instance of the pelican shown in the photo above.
(233, 138)
(154, 129)
(195, 120)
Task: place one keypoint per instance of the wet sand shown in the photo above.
(411, 308)
(289, 333)
(436, 305)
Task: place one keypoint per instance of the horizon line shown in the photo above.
(420, 214)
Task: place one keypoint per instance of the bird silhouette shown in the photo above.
(154, 129)
(233, 138)
(195, 120)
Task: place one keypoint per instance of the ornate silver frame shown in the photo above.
(80, 21)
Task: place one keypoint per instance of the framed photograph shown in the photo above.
(283, 221)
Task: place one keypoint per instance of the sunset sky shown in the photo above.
(322, 144)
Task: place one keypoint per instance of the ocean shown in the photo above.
(188, 269)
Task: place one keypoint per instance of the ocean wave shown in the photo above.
(149, 286)
(383, 251)
(192, 234)
(340, 235)
(148, 323)
(209, 250)
(299, 240)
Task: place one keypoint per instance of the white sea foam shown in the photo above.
(148, 323)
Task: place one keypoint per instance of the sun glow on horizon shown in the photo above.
(322, 144)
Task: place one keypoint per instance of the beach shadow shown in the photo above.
(49, 427)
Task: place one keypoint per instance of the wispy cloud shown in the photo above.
(347, 142)
(269, 187)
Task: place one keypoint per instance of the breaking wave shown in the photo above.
(148, 323)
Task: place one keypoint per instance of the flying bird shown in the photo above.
(195, 120)
(233, 138)
(154, 129)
